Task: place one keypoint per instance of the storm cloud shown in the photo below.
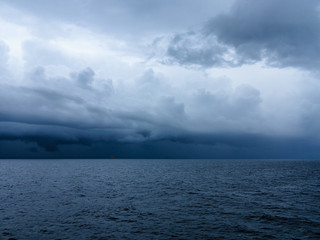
(281, 33)
(238, 81)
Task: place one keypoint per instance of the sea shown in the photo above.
(159, 199)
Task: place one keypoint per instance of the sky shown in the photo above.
(160, 79)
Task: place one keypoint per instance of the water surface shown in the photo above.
(159, 199)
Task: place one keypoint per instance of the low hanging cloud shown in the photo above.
(87, 90)
(280, 33)
(83, 109)
(58, 112)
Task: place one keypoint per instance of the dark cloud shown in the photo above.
(140, 134)
(281, 33)
(80, 113)
(189, 146)
(55, 113)
(50, 114)
(85, 77)
(126, 107)
(58, 101)
(193, 49)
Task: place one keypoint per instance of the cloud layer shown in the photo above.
(238, 82)
(281, 33)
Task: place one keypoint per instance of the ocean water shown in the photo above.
(159, 199)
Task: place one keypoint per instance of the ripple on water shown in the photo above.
(159, 199)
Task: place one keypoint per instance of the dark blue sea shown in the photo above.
(159, 199)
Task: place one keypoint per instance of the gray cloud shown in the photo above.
(244, 100)
(232, 110)
(85, 77)
(38, 52)
(54, 111)
(82, 87)
(82, 110)
(123, 17)
(281, 33)
(4, 55)
(309, 103)
(189, 146)
(192, 49)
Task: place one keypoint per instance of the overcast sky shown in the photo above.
(160, 79)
